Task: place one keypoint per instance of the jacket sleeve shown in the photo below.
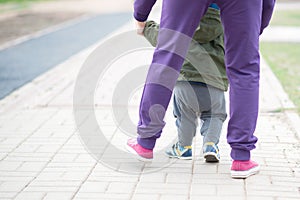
(151, 32)
(142, 9)
(210, 27)
(267, 11)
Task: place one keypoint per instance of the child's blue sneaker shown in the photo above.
(180, 152)
(211, 152)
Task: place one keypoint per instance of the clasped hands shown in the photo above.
(140, 27)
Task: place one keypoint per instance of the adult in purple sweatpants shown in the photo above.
(243, 22)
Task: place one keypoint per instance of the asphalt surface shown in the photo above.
(22, 63)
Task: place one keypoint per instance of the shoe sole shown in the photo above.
(244, 174)
(179, 157)
(211, 157)
(136, 155)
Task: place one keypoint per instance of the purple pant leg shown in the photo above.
(242, 25)
(178, 23)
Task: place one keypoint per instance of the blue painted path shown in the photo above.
(22, 63)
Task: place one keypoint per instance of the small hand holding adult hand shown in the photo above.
(140, 27)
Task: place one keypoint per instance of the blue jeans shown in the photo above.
(193, 101)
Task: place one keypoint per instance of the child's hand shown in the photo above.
(140, 27)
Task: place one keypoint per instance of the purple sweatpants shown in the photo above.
(243, 21)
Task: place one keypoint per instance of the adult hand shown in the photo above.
(140, 27)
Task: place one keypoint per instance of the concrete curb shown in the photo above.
(282, 96)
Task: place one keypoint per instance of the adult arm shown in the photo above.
(142, 9)
(267, 11)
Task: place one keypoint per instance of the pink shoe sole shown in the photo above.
(136, 155)
(244, 174)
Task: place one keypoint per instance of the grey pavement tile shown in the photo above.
(178, 178)
(162, 188)
(120, 188)
(259, 180)
(49, 183)
(7, 195)
(69, 189)
(253, 197)
(222, 197)
(32, 166)
(9, 166)
(30, 196)
(146, 197)
(173, 197)
(274, 194)
(58, 195)
(157, 177)
(94, 187)
(270, 188)
(87, 196)
(216, 179)
(13, 186)
(203, 189)
(231, 190)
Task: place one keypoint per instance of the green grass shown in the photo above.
(286, 18)
(284, 60)
(16, 1)
(15, 5)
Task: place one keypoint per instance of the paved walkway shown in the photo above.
(281, 34)
(42, 155)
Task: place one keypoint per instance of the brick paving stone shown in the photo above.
(205, 190)
(178, 177)
(250, 197)
(162, 188)
(32, 166)
(13, 186)
(87, 196)
(230, 190)
(145, 197)
(69, 189)
(29, 157)
(286, 188)
(274, 194)
(285, 181)
(31, 196)
(259, 180)
(94, 187)
(203, 168)
(7, 195)
(154, 178)
(17, 176)
(58, 196)
(232, 197)
(9, 166)
(120, 188)
(215, 180)
(277, 173)
(173, 197)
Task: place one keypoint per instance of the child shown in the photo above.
(206, 82)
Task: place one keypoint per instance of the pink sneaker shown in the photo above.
(243, 169)
(141, 153)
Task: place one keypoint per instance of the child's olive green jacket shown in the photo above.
(206, 52)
